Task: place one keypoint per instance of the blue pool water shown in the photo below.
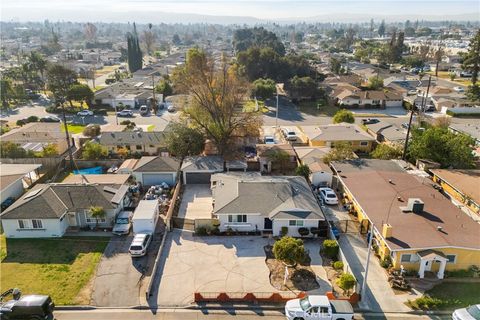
(94, 170)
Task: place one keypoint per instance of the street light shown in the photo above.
(279, 87)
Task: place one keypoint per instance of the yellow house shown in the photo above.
(328, 135)
(413, 224)
(463, 185)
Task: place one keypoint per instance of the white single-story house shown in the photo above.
(252, 202)
(14, 178)
(199, 169)
(150, 171)
(48, 210)
(320, 173)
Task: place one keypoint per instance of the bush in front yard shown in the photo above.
(338, 265)
(289, 250)
(346, 282)
(330, 248)
(427, 302)
(386, 262)
(201, 231)
(303, 231)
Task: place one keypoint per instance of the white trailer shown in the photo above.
(145, 217)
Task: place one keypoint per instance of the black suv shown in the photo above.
(28, 307)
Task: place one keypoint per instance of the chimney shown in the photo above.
(387, 230)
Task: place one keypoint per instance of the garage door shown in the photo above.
(198, 178)
(151, 179)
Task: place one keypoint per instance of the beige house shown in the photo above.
(145, 143)
(35, 135)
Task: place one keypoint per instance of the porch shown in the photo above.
(429, 258)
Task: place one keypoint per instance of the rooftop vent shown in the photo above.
(414, 205)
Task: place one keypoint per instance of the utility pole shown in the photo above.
(67, 136)
(115, 106)
(154, 101)
(421, 108)
(364, 283)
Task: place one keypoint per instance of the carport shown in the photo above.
(199, 170)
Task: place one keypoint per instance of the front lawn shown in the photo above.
(58, 267)
(74, 128)
(449, 296)
(317, 108)
(250, 106)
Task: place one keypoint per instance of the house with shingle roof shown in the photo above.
(148, 143)
(150, 171)
(48, 210)
(252, 202)
(414, 224)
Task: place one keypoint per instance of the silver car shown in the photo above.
(123, 223)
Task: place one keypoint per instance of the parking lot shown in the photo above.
(209, 264)
(120, 279)
(196, 202)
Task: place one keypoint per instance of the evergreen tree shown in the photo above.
(134, 53)
(471, 60)
(381, 29)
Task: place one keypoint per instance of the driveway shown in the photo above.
(119, 280)
(196, 202)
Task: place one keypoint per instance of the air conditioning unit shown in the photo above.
(414, 205)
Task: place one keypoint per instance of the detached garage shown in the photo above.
(199, 170)
(151, 171)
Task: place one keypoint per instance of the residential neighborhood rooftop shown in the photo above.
(97, 178)
(156, 164)
(337, 132)
(465, 181)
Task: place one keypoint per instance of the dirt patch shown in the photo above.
(301, 277)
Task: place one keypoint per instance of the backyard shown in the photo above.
(57, 267)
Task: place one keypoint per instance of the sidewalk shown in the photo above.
(379, 296)
(316, 264)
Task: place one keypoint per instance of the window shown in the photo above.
(364, 143)
(406, 257)
(295, 223)
(89, 219)
(138, 147)
(37, 224)
(239, 218)
(22, 224)
(451, 258)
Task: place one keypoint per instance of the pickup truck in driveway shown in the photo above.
(318, 307)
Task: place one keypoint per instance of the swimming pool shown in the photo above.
(93, 170)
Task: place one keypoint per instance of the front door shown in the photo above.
(428, 265)
(72, 219)
(267, 225)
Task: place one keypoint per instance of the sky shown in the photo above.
(122, 10)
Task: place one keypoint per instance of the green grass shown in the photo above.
(3, 247)
(57, 267)
(249, 106)
(317, 108)
(74, 128)
(452, 295)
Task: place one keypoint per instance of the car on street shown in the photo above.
(123, 223)
(27, 307)
(289, 135)
(370, 121)
(405, 125)
(50, 119)
(125, 113)
(269, 140)
(412, 92)
(430, 107)
(327, 195)
(469, 313)
(85, 113)
(318, 307)
(144, 110)
(171, 108)
(140, 244)
(458, 89)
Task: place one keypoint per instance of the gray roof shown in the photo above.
(130, 137)
(471, 129)
(337, 132)
(200, 163)
(157, 164)
(274, 197)
(389, 131)
(51, 201)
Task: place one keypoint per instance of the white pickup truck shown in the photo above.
(318, 308)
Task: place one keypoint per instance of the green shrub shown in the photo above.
(32, 119)
(427, 302)
(386, 262)
(338, 265)
(330, 248)
(201, 231)
(303, 231)
(289, 250)
(21, 122)
(346, 282)
(284, 231)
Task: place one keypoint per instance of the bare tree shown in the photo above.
(90, 31)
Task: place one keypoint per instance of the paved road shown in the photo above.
(184, 314)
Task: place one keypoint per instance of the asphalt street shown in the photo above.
(191, 314)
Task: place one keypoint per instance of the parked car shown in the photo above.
(171, 108)
(7, 203)
(328, 196)
(140, 244)
(269, 140)
(144, 110)
(469, 313)
(123, 223)
(125, 113)
(318, 307)
(430, 107)
(412, 92)
(370, 121)
(28, 307)
(405, 125)
(85, 113)
(458, 89)
(289, 135)
(50, 119)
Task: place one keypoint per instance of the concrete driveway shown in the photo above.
(120, 279)
(196, 202)
(209, 264)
